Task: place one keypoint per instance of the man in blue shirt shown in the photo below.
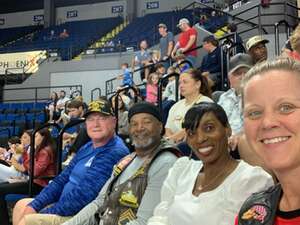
(80, 182)
(211, 63)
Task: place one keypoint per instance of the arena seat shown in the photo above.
(146, 28)
(11, 34)
(81, 35)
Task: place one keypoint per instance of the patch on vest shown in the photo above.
(122, 164)
(129, 199)
(126, 217)
(257, 212)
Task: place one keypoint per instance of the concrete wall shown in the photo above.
(13, 19)
(91, 11)
(163, 5)
(65, 14)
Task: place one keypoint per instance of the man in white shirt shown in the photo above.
(231, 99)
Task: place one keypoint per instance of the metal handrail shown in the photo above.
(160, 89)
(32, 153)
(93, 91)
(276, 32)
(70, 124)
(77, 86)
(116, 108)
(234, 17)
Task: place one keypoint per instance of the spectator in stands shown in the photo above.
(271, 93)
(155, 56)
(61, 103)
(294, 48)
(256, 47)
(169, 94)
(194, 88)
(209, 191)
(126, 76)
(64, 34)
(83, 178)
(202, 19)
(152, 88)
(231, 99)
(75, 111)
(52, 35)
(166, 44)
(44, 166)
(141, 59)
(51, 106)
(181, 63)
(238, 42)
(161, 71)
(187, 41)
(211, 63)
(232, 104)
(123, 125)
(13, 150)
(131, 194)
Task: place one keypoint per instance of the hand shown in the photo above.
(165, 57)
(13, 161)
(233, 142)
(2, 150)
(181, 50)
(29, 210)
(205, 74)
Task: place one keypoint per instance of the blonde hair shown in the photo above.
(260, 69)
(295, 38)
(149, 80)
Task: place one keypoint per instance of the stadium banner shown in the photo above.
(21, 62)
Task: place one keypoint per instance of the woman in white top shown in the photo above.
(194, 88)
(210, 191)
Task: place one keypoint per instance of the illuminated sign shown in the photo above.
(38, 18)
(152, 5)
(117, 9)
(21, 62)
(72, 14)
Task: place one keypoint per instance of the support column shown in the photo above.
(131, 9)
(298, 5)
(49, 13)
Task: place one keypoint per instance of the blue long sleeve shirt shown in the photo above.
(80, 182)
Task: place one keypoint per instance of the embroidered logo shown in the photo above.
(256, 212)
(89, 162)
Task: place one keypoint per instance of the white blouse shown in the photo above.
(179, 206)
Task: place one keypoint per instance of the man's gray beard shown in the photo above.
(146, 143)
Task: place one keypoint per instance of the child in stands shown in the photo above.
(152, 88)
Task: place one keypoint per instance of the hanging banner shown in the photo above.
(21, 62)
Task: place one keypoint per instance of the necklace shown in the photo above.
(227, 168)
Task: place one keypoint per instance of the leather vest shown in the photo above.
(121, 202)
(260, 208)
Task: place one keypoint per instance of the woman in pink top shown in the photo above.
(152, 88)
